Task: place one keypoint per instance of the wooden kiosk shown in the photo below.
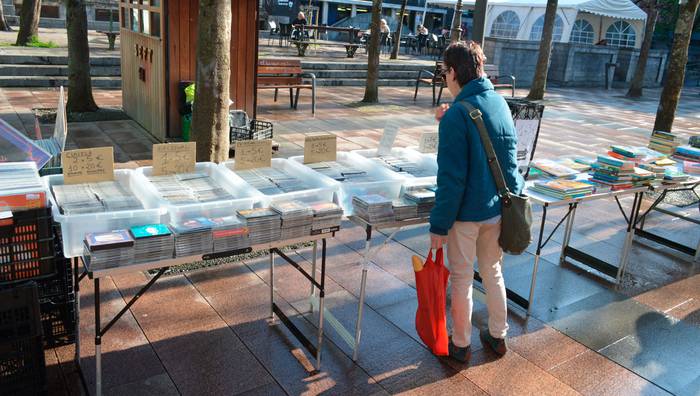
(158, 51)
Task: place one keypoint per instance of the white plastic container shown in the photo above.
(322, 190)
(29, 167)
(426, 162)
(74, 227)
(244, 195)
(388, 183)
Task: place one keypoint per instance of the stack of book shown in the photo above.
(108, 249)
(553, 169)
(663, 142)
(563, 189)
(637, 155)
(263, 225)
(578, 164)
(229, 233)
(193, 236)
(687, 154)
(404, 209)
(613, 172)
(327, 217)
(94, 197)
(658, 171)
(153, 242)
(296, 219)
(674, 175)
(691, 168)
(424, 198)
(373, 207)
(643, 177)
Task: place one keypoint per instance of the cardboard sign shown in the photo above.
(320, 148)
(169, 158)
(88, 165)
(252, 154)
(388, 138)
(428, 142)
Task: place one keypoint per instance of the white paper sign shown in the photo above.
(388, 138)
(527, 134)
(428, 142)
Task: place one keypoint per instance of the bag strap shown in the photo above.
(494, 165)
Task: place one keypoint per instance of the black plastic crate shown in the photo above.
(59, 284)
(22, 367)
(19, 312)
(27, 246)
(257, 130)
(58, 320)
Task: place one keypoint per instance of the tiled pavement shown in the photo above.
(206, 332)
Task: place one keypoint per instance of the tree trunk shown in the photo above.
(479, 21)
(28, 21)
(675, 75)
(540, 80)
(456, 32)
(397, 44)
(637, 85)
(371, 89)
(4, 26)
(79, 85)
(210, 124)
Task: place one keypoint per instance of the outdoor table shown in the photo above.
(664, 189)
(164, 265)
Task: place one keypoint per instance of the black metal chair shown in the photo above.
(274, 31)
(434, 79)
(285, 32)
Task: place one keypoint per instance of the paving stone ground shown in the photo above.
(206, 332)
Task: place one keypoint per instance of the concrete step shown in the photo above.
(54, 81)
(361, 82)
(347, 74)
(16, 59)
(55, 70)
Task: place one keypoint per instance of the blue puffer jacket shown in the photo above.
(466, 190)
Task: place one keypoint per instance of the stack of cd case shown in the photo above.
(107, 196)
(341, 172)
(189, 188)
(104, 250)
(404, 209)
(403, 165)
(263, 225)
(373, 207)
(296, 219)
(272, 181)
(327, 217)
(229, 233)
(424, 197)
(193, 237)
(153, 242)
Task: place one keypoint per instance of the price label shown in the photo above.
(169, 158)
(88, 165)
(388, 138)
(319, 148)
(428, 142)
(252, 154)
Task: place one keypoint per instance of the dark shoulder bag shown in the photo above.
(516, 213)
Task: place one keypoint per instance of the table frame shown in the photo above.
(164, 265)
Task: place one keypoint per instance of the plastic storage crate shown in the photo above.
(19, 312)
(244, 195)
(388, 183)
(61, 283)
(256, 130)
(74, 227)
(27, 246)
(58, 320)
(426, 162)
(322, 190)
(22, 366)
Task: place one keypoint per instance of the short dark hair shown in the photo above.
(467, 59)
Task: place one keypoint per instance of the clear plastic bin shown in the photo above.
(8, 188)
(388, 183)
(245, 197)
(74, 227)
(322, 190)
(425, 161)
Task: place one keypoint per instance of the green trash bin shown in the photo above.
(186, 126)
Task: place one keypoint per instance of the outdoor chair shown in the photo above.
(422, 43)
(285, 32)
(434, 79)
(274, 31)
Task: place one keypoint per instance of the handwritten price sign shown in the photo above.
(428, 142)
(252, 154)
(88, 165)
(170, 158)
(319, 148)
(388, 138)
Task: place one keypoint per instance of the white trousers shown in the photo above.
(467, 242)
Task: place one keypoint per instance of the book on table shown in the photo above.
(563, 189)
(553, 168)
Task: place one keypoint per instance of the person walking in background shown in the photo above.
(466, 216)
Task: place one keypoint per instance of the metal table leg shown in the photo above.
(322, 296)
(631, 221)
(313, 275)
(363, 284)
(567, 231)
(76, 289)
(98, 341)
(538, 252)
(272, 286)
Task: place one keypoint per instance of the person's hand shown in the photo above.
(437, 241)
(441, 110)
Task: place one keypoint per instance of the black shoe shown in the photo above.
(497, 345)
(461, 355)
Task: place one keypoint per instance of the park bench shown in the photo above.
(286, 74)
(302, 45)
(435, 80)
(111, 38)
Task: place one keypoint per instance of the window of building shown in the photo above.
(49, 11)
(102, 15)
(538, 28)
(141, 16)
(506, 25)
(582, 32)
(621, 34)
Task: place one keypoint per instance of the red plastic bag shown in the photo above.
(431, 316)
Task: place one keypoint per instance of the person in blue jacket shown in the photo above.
(466, 216)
